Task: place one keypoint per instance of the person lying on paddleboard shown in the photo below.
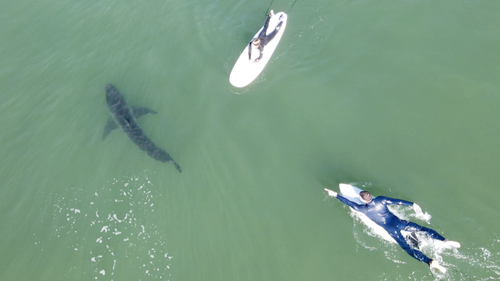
(376, 210)
(256, 46)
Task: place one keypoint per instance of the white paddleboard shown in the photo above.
(244, 70)
(351, 193)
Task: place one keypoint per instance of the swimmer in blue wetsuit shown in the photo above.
(376, 210)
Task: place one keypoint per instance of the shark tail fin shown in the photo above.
(177, 166)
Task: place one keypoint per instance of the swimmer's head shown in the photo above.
(256, 42)
(366, 197)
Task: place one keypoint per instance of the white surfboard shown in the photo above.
(351, 193)
(244, 70)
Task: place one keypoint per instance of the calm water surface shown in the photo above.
(399, 97)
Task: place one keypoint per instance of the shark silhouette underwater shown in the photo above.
(125, 117)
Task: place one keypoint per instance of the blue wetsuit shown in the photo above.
(378, 212)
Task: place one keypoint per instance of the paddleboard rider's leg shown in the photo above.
(432, 233)
(263, 33)
(395, 232)
(271, 35)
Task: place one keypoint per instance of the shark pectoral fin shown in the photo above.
(110, 126)
(140, 111)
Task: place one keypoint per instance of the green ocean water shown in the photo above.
(397, 97)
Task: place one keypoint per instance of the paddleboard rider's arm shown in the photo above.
(346, 201)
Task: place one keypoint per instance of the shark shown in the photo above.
(125, 117)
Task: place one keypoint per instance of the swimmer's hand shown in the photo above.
(331, 192)
(417, 208)
(434, 265)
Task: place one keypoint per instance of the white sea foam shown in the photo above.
(108, 223)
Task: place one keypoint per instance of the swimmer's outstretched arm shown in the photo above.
(342, 199)
(392, 201)
(331, 192)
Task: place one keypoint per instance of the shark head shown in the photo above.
(109, 87)
(113, 96)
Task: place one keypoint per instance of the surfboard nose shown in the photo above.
(344, 185)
